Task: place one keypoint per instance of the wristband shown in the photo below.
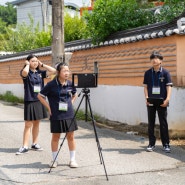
(42, 65)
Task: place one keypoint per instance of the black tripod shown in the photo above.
(86, 95)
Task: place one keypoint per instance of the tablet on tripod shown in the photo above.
(85, 80)
(155, 101)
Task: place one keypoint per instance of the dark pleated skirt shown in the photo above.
(63, 126)
(34, 111)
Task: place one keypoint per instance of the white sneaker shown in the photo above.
(73, 164)
(53, 165)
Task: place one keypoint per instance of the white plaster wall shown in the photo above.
(124, 104)
(30, 7)
(176, 113)
(16, 89)
(34, 8)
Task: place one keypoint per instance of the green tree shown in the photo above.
(111, 16)
(170, 10)
(25, 37)
(8, 14)
(28, 37)
(2, 26)
(7, 19)
(74, 27)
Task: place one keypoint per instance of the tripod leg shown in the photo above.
(86, 110)
(57, 154)
(96, 136)
(97, 140)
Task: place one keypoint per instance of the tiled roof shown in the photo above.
(18, 2)
(123, 37)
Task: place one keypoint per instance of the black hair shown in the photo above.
(30, 56)
(156, 54)
(59, 66)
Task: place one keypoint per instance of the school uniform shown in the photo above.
(33, 83)
(156, 85)
(62, 113)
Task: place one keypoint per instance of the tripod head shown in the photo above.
(86, 91)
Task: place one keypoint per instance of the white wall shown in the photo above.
(125, 104)
(16, 89)
(37, 10)
(34, 9)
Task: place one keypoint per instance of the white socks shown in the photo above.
(72, 155)
(54, 154)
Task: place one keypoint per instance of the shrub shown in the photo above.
(10, 97)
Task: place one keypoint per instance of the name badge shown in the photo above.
(156, 90)
(37, 88)
(63, 106)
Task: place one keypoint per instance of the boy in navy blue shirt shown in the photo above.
(157, 85)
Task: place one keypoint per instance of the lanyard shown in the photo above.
(59, 92)
(36, 77)
(153, 81)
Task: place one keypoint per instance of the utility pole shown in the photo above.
(58, 31)
(44, 13)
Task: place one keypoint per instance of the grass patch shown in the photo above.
(81, 116)
(10, 97)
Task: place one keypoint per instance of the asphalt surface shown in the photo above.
(125, 158)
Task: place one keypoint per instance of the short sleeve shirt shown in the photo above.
(33, 79)
(55, 92)
(159, 79)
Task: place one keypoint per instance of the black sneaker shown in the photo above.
(150, 148)
(22, 150)
(36, 147)
(166, 148)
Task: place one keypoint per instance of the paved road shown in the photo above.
(126, 160)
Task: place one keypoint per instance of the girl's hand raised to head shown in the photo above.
(40, 63)
(27, 62)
